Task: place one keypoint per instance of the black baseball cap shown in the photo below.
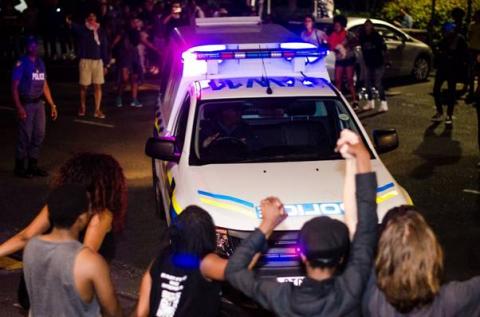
(324, 241)
(31, 40)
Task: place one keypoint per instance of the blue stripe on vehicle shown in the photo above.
(385, 187)
(227, 198)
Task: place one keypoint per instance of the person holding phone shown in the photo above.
(174, 19)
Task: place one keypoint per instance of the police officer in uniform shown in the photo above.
(29, 86)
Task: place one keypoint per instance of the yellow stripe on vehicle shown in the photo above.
(387, 196)
(227, 206)
(176, 205)
(169, 177)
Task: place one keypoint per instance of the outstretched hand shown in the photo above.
(350, 145)
(273, 214)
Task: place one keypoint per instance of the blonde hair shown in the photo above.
(409, 261)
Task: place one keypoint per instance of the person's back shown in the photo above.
(454, 299)
(406, 281)
(180, 289)
(49, 268)
(63, 277)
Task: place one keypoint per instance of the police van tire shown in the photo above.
(159, 210)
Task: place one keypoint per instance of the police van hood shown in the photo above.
(231, 193)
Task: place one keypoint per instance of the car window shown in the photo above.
(389, 34)
(181, 125)
(356, 30)
(268, 130)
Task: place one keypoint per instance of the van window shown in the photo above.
(181, 125)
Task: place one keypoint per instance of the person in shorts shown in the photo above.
(94, 58)
(343, 43)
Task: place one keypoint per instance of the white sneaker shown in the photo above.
(383, 106)
(369, 105)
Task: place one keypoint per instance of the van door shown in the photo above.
(171, 168)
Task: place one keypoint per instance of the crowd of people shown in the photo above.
(352, 268)
(343, 43)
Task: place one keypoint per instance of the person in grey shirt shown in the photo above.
(64, 278)
(406, 281)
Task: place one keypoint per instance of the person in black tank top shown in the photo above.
(184, 279)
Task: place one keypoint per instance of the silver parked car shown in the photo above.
(407, 56)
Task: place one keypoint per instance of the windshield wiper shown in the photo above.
(290, 157)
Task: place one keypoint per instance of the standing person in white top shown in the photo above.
(311, 34)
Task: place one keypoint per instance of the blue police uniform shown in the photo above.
(31, 132)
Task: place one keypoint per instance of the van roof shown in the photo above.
(234, 34)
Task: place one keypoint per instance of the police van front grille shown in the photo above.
(282, 252)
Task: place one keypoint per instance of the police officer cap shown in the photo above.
(449, 27)
(31, 40)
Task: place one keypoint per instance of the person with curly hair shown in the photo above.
(103, 177)
(408, 272)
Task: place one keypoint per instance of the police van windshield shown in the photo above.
(268, 130)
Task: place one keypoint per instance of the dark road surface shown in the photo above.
(436, 166)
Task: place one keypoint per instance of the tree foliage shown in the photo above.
(421, 10)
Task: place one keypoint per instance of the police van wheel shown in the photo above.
(159, 210)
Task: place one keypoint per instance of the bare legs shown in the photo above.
(348, 72)
(97, 92)
(83, 100)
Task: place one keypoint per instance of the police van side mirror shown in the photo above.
(385, 140)
(162, 148)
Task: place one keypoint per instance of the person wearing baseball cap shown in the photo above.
(29, 88)
(336, 271)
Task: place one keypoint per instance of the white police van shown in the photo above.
(249, 112)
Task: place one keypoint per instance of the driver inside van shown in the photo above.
(227, 123)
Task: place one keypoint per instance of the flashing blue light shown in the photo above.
(187, 261)
(307, 83)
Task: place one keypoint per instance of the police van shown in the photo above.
(249, 112)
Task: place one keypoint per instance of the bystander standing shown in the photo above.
(474, 56)
(450, 61)
(374, 50)
(94, 60)
(343, 42)
(311, 34)
(405, 19)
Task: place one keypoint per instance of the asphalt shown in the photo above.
(437, 167)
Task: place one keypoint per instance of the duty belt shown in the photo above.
(27, 100)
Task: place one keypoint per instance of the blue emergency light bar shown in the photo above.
(262, 53)
(285, 50)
